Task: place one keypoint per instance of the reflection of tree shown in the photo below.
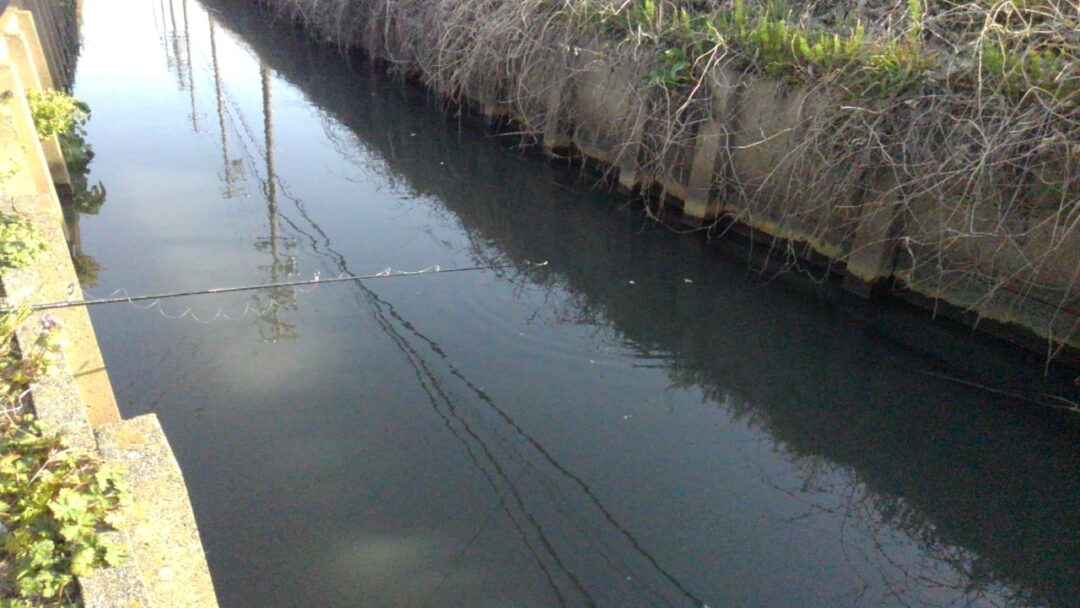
(87, 269)
(78, 153)
(872, 548)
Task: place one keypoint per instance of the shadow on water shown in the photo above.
(984, 482)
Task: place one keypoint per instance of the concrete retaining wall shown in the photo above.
(57, 26)
(166, 566)
(735, 157)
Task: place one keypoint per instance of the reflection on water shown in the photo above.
(275, 300)
(641, 423)
(232, 169)
(79, 198)
(176, 40)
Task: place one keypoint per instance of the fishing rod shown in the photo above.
(388, 273)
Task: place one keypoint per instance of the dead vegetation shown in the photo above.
(955, 125)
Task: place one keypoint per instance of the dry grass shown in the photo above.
(962, 118)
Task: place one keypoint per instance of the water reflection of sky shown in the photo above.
(641, 424)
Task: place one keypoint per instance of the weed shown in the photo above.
(54, 501)
(19, 368)
(56, 112)
(1017, 72)
(20, 241)
(958, 106)
(915, 16)
(676, 69)
(54, 504)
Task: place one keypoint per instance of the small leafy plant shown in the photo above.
(56, 112)
(675, 71)
(54, 504)
(20, 241)
(18, 368)
(55, 501)
(1019, 71)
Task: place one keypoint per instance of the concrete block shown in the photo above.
(38, 18)
(117, 587)
(21, 47)
(165, 543)
(873, 251)
(764, 129)
(20, 138)
(29, 188)
(607, 112)
(56, 399)
(20, 57)
(629, 158)
(710, 140)
(555, 136)
(29, 29)
(55, 159)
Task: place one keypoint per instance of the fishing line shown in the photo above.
(388, 273)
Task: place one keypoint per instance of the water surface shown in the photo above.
(644, 422)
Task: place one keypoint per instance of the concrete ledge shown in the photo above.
(118, 587)
(166, 548)
(27, 188)
(167, 568)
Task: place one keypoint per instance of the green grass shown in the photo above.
(768, 37)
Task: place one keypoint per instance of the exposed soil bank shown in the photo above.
(953, 187)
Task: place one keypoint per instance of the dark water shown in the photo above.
(644, 422)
